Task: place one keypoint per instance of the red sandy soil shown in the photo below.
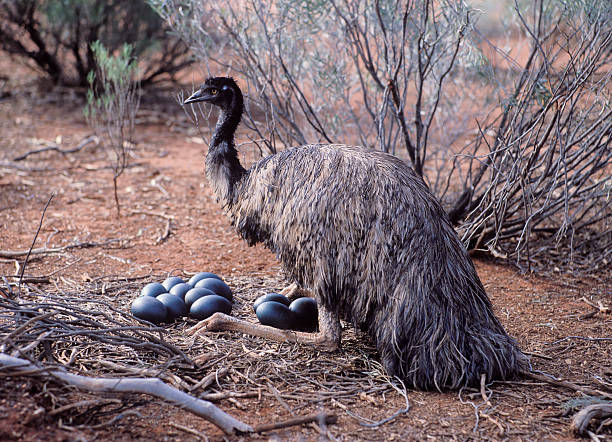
(166, 182)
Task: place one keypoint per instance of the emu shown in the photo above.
(362, 232)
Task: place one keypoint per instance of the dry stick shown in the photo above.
(209, 379)
(585, 390)
(113, 420)
(86, 403)
(196, 433)
(600, 308)
(86, 141)
(25, 262)
(537, 355)
(213, 397)
(583, 417)
(157, 388)
(27, 324)
(166, 234)
(319, 417)
(43, 250)
(150, 386)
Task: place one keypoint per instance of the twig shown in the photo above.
(116, 419)
(319, 417)
(214, 397)
(278, 397)
(581, 420)
(191, 431)
(164, 236)
(583, 338)
(150, 213)
(54, 147)
(599, 306)
(27, 324)
(537, 355)
(45, 250)
(25, 262)
(559, 383)
(209, 379)
(150, 386)
(85, 403)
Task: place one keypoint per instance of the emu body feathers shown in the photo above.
(361, 230)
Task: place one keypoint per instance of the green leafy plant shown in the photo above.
(113, 99)
(56, 37)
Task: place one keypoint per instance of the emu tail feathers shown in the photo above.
(433, 345)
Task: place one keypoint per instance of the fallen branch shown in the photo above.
(209, 379)
(87, 403)
(599, 307)
(25, 261)
(153, 387)
(54, 147)
(565, 384)
(191, 431)
(150, 386)
(319, 417)
(583, 417)
(45, 250)
(165, 235)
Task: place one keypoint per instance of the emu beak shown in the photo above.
(195, 97)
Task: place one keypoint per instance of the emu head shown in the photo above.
(219, 91)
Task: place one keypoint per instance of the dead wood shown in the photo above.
(565, 384)
(48, 250)
(25, 261)
(149, 386)
(54, 147)
(583, 417)
(301, 420)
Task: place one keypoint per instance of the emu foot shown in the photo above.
(293, 292)
(328, 339)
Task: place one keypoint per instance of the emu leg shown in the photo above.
(327, 339)
(293, 291)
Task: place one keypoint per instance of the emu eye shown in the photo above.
(214, 91)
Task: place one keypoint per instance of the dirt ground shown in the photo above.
(172, 225)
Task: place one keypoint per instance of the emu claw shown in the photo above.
(213, 323)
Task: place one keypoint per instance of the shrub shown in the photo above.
(517, 150)
(56, 35)
(112, 102)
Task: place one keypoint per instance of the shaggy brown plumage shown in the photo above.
(361, 230)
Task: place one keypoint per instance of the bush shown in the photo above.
(112, 102)
(518, 150)
(56, 35)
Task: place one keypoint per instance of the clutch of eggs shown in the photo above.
(202, 295)
(278, 311)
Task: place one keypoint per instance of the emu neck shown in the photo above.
(223, 167)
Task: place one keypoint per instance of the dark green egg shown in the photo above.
(217, 286)
(180, 289)
(277, 297)
(150, 309)
(276, 314)
(196, 293)
(202, 275)
(153, 289)
(171, 282)
(306, 312)
(174, 305)
(206, 306)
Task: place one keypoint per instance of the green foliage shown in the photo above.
(116, 74)
(57, 35)
(113, 99)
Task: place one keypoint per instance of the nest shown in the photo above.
(88, 330)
